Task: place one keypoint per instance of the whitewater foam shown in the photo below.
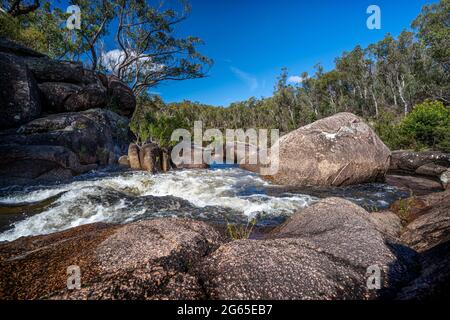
(111, 198)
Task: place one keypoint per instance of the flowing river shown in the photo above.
(224, 194)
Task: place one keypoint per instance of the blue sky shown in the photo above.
(251, 40)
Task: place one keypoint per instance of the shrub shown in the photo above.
(427, 126)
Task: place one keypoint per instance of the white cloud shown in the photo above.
(249, 79)
(112, 59)
(296, 79)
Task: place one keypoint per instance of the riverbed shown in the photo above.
(221, 194)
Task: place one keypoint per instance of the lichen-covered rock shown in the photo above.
(387, 222)
(93, 137)
(67, 97)
(335, 151)
(55, 94)
(142, 260)
(279, 269)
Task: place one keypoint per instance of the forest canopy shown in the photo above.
(398, 84)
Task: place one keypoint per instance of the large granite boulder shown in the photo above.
(56, 105)
(67, 86)
(133, 156)
(149, 154)
(142, 260)
(326, 251)
(19, 94)
(427, 218)
(336, 151)
(92, 137)
(322, 252)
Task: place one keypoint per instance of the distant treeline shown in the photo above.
(381, 83)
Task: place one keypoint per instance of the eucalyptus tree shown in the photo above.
(147, 49)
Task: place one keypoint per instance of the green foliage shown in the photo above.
(381, 82)
(238, 231)
(428, 126)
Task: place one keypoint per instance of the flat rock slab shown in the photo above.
(143, 260)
